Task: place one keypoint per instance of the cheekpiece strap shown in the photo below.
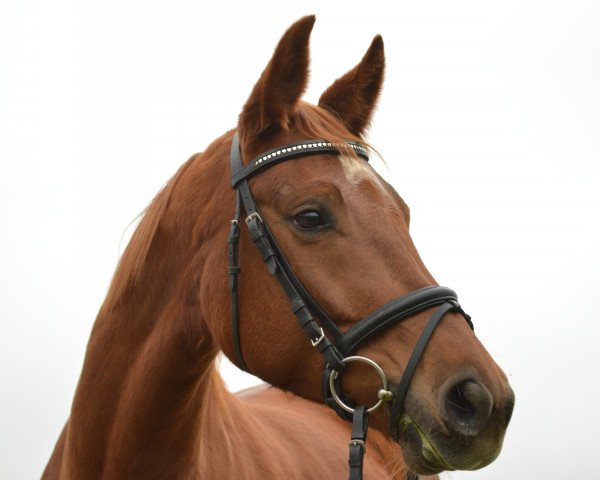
(233, 270)
(302, 303)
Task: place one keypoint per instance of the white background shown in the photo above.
(489, 122)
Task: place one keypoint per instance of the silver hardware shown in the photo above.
(254, 215)
(334, 375)
(318, 340)
(234, 222)
(358, 442)
(307, 145)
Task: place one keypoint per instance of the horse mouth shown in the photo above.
(420, 453)
(428, 452)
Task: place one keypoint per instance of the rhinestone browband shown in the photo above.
(354, 146)
(287, 152)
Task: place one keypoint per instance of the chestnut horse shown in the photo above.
(150, 403)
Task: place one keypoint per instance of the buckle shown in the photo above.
(253, 216)
(314, 343)
(355, 443)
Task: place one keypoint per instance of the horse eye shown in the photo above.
(309, 220)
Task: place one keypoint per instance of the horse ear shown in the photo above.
(353, 96)
(281, 84)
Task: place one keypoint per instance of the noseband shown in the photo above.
(336, 347)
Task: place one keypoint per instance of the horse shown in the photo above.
(150, 403)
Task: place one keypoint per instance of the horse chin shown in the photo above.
(429, 454)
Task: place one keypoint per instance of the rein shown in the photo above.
(336, 347)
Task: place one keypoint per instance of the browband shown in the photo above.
(288, 152)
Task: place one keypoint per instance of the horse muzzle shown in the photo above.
(463, 430)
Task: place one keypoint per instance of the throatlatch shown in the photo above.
(315, 322)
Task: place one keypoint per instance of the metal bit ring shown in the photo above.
(334, 375)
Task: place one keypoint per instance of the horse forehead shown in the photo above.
(356, 170)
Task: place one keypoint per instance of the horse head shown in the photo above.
(345, 234)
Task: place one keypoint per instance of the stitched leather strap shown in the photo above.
(358, 439)
(393, 312)
(289, 152)
(303, 305)
(413, 361)
(251, 208)
(272, 256)
(234, 270)
(328, 397)
(382, 318)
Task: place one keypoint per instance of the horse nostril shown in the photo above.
(467, 406)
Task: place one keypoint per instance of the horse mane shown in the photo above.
(129, 268)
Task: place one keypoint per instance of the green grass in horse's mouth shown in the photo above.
(428, 451)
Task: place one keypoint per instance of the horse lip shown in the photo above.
(427, 457)
(428, 460)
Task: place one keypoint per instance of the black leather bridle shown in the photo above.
(336, 347)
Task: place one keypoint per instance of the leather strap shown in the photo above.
(382, 318)
(402, 388)
(234, 270)
(358, 439)
(251, 208)
(289, 152)
(272, 256)
(302, 302)
(392, 312)
(328, 397)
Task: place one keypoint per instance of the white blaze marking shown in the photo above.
(357, 170)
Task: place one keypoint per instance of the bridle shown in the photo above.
(336, 347)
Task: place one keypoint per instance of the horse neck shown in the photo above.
(149, 374)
